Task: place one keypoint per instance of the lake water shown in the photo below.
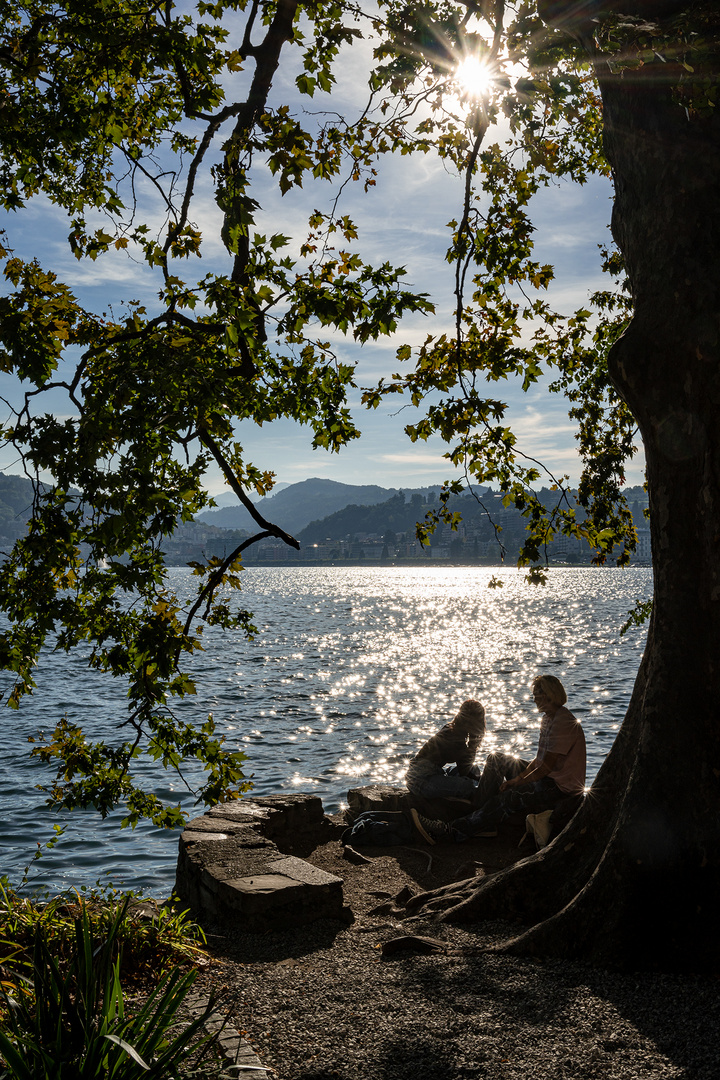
(352, 670)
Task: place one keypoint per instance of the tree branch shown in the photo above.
(272, 530)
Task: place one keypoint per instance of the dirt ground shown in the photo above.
(357, 1000)
(385, 871)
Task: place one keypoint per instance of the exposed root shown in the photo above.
(428, 899)
(428, 856)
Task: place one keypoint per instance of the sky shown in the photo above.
(403, 219)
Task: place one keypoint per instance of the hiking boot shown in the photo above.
(430, 830)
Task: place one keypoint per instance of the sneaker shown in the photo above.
(538, 825)
(430, 830)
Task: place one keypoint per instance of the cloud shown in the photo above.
(418, 458)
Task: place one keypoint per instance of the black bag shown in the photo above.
(379, 828)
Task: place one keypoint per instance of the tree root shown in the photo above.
(527, 892)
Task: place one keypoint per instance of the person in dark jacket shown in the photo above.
(556, 773)
(456, 743)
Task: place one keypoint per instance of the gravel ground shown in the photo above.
(323, 1003)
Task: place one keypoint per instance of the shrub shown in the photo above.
(64, 1012)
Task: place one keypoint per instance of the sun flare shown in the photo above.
(474, 77)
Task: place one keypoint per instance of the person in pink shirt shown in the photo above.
(556, 772)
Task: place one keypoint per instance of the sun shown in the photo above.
(474, 77)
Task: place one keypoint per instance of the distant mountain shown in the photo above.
(292, 507)
(16, 498)
(298, 504)
(316, 510)
(229, 498)
(393, 515)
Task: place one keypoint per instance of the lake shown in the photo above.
(352, 670)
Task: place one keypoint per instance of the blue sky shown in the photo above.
(403, 219)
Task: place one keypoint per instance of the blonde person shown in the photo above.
(556, 772)
(456, 743)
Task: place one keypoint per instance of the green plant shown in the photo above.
(67, 1017)
(149, 945)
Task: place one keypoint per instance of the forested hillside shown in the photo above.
(366, 511)
(16, 497)
(299, 505)
(394, 514)
(487, 524)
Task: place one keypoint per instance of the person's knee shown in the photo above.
(509, 765)
(495, 760)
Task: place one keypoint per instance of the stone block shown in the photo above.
(376, 797)
(191, 837)
(303, 871)
(241, 810)
(286, 895)
(210, 825)
(240, 874)
(257, 895)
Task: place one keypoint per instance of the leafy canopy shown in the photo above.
(537, 121)
(121, 114)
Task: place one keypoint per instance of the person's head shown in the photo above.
(547, 689)
(470, 718)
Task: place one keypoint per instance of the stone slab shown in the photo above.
(242, 874)
(191, 836)
(240, 810)
(262, 884)
(216, 824)
(303, 871)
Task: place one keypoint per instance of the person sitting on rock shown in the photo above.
(556, 772)
(456, 742)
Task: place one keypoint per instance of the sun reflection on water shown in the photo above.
(398, 649)
(354, 669)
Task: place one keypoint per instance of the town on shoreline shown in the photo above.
(357, 525)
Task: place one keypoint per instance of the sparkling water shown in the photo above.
(352, 670)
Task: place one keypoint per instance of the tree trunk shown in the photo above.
(634, 880)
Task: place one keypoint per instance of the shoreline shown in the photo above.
(420, 563)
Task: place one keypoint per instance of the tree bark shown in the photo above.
(634, 880)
